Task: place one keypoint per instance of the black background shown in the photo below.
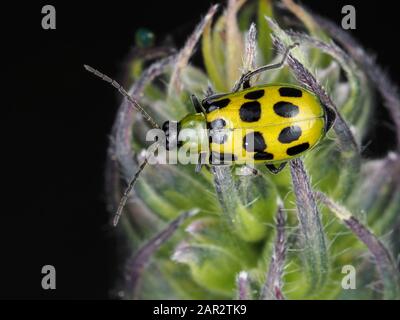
(55, 121)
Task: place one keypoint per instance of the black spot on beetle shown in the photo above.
(217, 124)
(221, 158)
(286, 109)
(254, 142)
(290, 92)
(250, 111)
(263, 156)
(292, 151)
(289, 134)
(254, 95)
(216, 104)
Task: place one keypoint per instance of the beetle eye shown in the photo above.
(170, 129)
(165, 126)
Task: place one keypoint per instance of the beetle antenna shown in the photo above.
(116, 85)
(128, 190)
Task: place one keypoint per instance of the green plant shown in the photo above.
(213, 235)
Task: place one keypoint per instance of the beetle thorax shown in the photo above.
(189, 133)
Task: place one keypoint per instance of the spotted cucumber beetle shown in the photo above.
(274, 123)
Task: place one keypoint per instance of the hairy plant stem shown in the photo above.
(388, 270)
(243, 286)
(312, 234)
(376, 75)
(137, 264)
(272, 289)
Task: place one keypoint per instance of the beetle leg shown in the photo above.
(201, 161)
(213, 97)
(273, 169)
(246, 170)
(246, 84)
(198, 167)
(244, 80)
(197, 105)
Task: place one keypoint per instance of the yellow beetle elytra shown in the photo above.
(268, 124)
